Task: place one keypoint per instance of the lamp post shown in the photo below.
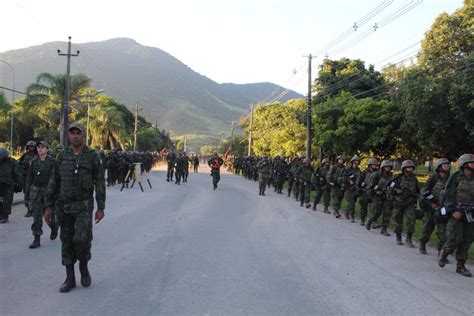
(13, 100)
(89, 95)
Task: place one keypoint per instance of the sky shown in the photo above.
(239, 41)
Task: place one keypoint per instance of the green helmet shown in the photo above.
(386, 163)
(3, 152)
(464, 159)
(31, 143)
(306, 161)
(373, 161)
(355, 158)
(407, 163)
(340, 157)
(440, 162)
(325, 160)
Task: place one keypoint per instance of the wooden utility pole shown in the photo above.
(250, 130)
(135, 132)
(308, 111)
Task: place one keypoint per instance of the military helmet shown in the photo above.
(325, 160)
(464, 159)
(373, 161)
(340, 157)
(355, 158)
(31, 143)
(283, 158)
(3, 152)
(407, 163)
(306, 161)
(386, 163)
(440, 162)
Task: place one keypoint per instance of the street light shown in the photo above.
(13, 100)
(89, 95)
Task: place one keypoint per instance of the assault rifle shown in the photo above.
(466, 209)
(394, 185)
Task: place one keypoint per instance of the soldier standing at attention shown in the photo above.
(35, 189)
(10, 181)
(335, 180)
(25, 162)
(77, 174)
(458, 205)
(264, 169)
(430, 204)
(321, 186)
(215, 164)
(351, 175)
(405, 191)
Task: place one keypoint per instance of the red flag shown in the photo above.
(227, 152)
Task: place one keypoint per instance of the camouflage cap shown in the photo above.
(43, 142)
(76, 126)
(31, 143)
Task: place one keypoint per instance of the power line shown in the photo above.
(12, 90)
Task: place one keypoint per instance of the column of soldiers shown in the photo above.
(446, 200)
(178, 166)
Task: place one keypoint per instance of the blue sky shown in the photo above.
(237, 41)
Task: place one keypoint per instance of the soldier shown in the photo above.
(25, 162)
(362, 182)
(179, 168)
(305, 182)
(171, 159)
(291, 174)
(431, 198)
(264, 169)
(336, 181)
(185, 166)
(11, 182)
(35, 188)
(59, 149)
(405, 191)
(378, 193)
(215, 164)
(77, 174)
(196, 163)
(296, 173)
(321, 186)
(279, 170)
(351, 175)
(458, 205)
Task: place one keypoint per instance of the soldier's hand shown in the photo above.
(457, 215)
(379, 192)
(99, 215)
(48, 214)
(434, 206)
(398, 191)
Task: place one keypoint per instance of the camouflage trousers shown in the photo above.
(6, 205)
(291, 180)
(430, 223)
(305, 191)
(460, 236)
(263, 181)
(400, 210)
(169, 172)
(38, 212)
(336, 196)
(351, 197)
(323, 193)
(364, 205)
(296, 189)
(216, 177)
(381, 207)
(75, 220)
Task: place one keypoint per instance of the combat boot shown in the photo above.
(4, 219)
(409, 241)
(326, 210)
(314, 206)
(422, 248)
(36, 242)
(29, 213)
(301, 204)
(348, 217)
(399, 239)
(85, 275)
(362, 221)
(368, 225)
(54, 231)
(337, 214)
(461, 269)
(442, 259)
(384, 231)
(446, 261)
(352, 219)
(70, 281)
(308, 205)
(375, 225)
(263, 192)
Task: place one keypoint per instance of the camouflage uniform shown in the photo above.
(460, 233)
(381, 201)
(351, 175)
(171, 159)
(264, 169)
(305, 182)
(321, 187)
(336, 177)
(10, 177)
(365, 195)
(215, 164)
(72, 185)
(25, 162)
(35, 189)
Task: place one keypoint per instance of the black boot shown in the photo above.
(461, 269)
(308, 205)
(301, 204)
(36, 243)
(409, 241)
(54, 231)
(442, 259)
(3, 219)
(384, 231)
(362, 221)
(446, 261)
(399, 239)
(352, 219)
(70, 281)
(29, 213)
(422, 248)
(85, 275)
(326, 210)
(337, 214)
(368, 225)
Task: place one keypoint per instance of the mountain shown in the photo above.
(180, 99)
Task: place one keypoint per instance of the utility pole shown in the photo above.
(232, 134)
(308, 111)
(89, 104)
(65, 106)
(185, 144)
(250, 130)
(135, 131)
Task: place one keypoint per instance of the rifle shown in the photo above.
(394, 185)
(466, 209)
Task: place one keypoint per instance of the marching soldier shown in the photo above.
(305, 182)
(25, 162)
(264, 169)
(35, 189)
(458, 206)
(11, 182)
(78, 173)
(321, 186)
(215, 164)
(381, 202)
(373, 166)
(336, 180)
(171, 159)
(351, 175)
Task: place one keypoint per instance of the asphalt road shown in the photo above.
(189, 250)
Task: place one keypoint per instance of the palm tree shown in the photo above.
(108, 125)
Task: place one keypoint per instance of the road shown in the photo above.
(191, 250)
